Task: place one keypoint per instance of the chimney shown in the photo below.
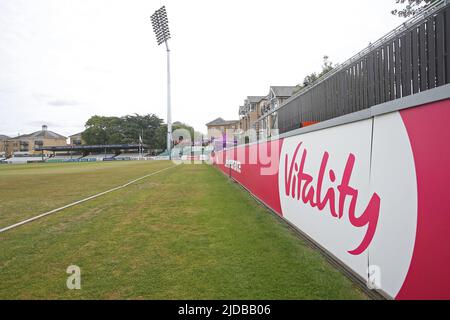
(44, 127)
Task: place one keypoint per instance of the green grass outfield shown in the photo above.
(186, 233)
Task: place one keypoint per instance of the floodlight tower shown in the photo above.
(161, 28)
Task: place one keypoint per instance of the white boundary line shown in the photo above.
(83, 200)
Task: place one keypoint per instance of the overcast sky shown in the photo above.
(62, 61)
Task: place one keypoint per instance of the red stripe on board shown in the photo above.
(429, 133)
(254, 163)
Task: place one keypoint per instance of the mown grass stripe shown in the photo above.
(81, 201)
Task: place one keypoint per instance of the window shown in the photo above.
(274, 121)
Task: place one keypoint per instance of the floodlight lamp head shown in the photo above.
(160, 25)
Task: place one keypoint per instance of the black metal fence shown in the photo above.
(411, 59)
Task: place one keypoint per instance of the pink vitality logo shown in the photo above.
(300, 185)
(353, 191)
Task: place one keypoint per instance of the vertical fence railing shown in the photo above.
(407, 62)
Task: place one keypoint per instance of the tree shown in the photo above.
(160, 140)
(124, 130)
(134, 126)
(127, 130)
(314, 77)
(410, 7)
(102, 130)
(180, 125)
(195, 136)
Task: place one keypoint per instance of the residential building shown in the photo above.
(219, 128)
(76, 139)
(4, 145)
(27, 143)
(250, 112)
(276, 97)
